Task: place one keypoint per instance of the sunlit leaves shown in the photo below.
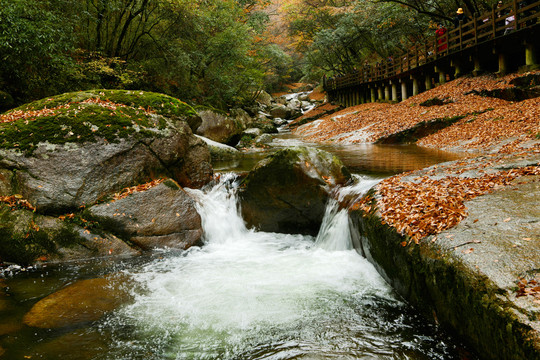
(16, 202)
(139, 188)
(427, 206)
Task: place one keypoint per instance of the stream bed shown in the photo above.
(244, 294)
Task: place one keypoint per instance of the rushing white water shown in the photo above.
(256, 295)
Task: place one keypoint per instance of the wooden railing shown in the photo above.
(509, 17)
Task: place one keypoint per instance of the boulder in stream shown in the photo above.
(288, 191)
(162, 216)
(218, 126)
(79, 303)
(73, 149)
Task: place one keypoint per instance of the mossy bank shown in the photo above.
(66, 153)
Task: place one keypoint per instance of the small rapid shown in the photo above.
(254, 295)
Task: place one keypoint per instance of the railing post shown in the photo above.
(460, 35)
(475, 29)
(516, 20)
(493, 22)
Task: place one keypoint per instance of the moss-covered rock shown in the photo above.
(21, 240)
(287, 191)
(161, 104)
(73, 149)
(84, 116)
(27, 237)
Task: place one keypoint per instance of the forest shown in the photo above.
(209, 52)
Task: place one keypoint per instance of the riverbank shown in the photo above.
(460, 240)
(473, 114)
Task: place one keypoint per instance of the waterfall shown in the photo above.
(255, 295)
(335, 232)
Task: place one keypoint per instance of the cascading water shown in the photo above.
(256, 295)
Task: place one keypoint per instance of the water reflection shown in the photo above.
(369, 159)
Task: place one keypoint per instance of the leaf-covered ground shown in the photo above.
(427, 202)
(487, 122)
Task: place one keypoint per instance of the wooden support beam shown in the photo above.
(403, 90)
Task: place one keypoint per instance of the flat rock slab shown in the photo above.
(478, 276)
(78, 303)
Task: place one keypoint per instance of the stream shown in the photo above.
(245, 294)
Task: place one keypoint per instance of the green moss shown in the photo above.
(171, 184)
(161, 104)
(77, 124)
(20, 242)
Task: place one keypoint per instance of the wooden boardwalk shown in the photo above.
(499, 40)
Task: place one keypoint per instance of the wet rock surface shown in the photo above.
(468, 277)
(288, 191)
(78, 303)
(163, 216)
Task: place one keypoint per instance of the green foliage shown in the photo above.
(208, 52)
(35, 43)
(339, 39)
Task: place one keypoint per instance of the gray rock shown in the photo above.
(264, 98)
(221, 128)
(279, 121)
(287, 192)
(241, 116)
(280, 111)
(303, 97)
(294, 105)
(163, 216)
(264, 139)
(253, 132)
(60, 178)
(306, 105)
(282, 100)
(219, 151)
(5, 182)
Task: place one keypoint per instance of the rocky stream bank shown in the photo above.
(460, 240)
(102, 173)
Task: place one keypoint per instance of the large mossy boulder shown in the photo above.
(79, 303)
(162, 216)
(71, 150)
(288, 191)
